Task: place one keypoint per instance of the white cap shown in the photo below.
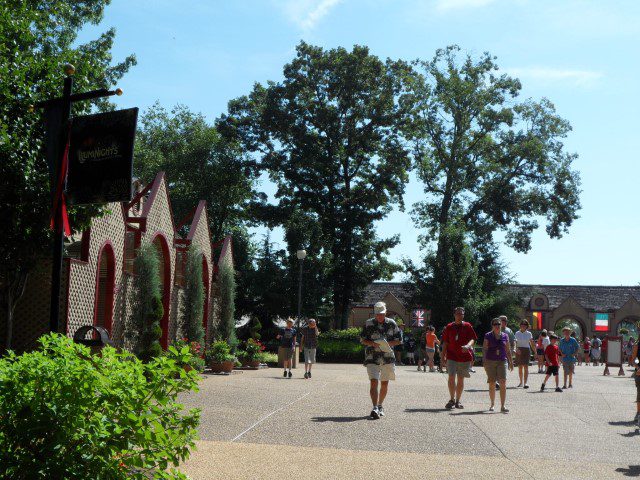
(380, 307)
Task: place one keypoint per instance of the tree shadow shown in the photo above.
(425, 410)
(339, 419)
(632, 471)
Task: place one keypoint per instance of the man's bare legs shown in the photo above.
(377, 398)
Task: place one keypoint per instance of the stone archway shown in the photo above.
(574, 323)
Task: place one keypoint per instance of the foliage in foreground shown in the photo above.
(69, 414)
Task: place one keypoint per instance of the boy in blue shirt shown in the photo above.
(569, 348)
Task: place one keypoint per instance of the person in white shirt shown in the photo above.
(524, 342)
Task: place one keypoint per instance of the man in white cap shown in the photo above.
(380, 335)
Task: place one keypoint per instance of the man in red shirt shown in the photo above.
(458, 339)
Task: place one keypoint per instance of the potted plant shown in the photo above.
(250, 356)
(219, 357)
(193, 360)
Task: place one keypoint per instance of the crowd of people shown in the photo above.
(454, 353)
(502, 349)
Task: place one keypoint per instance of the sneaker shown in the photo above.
(564, 387)
(472, 370)
(570, 386)
(526, 386)
(424, 370)
(459, 405)
(419, 368)
(284, 374)
(497, 386)
(380, 411)
(504, 410)
(290, 374)
(519, 385)
(558, 389)
(374, 413)
(306, 374)
(309, 374)
(450, 404)
(542, 387)
(491, 409)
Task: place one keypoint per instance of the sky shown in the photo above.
(582, 55)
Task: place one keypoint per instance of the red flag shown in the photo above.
(59, 197)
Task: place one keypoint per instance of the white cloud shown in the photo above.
(547, 75)
(306, 14)
(446, 5)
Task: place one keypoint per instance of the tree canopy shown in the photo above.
(327, 135)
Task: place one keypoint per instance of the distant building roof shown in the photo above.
(597, 298)
(376, 291)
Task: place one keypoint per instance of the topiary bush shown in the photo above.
(68, 414)
(143, 330)
(191, 311)
(226, 329)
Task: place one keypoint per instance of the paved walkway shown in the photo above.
(258, 425)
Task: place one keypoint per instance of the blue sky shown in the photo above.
(582, 55)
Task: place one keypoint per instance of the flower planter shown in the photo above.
(251, 363)
(221, 367)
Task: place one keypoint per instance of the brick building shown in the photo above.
(600, 310)
(98, 285)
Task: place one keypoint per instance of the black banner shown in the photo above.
(101, 157)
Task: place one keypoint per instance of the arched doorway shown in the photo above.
(205, 284)
(573, 323)
(105, 284)
(162, 247)
(631, 325)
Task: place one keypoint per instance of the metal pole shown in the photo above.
(300, 292)
(58, 231)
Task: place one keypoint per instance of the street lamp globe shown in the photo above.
(301, 254)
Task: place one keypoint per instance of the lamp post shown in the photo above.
(301, 254)
(57, 113)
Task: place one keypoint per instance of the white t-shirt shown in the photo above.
(523, 339)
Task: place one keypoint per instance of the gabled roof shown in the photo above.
(597, 298)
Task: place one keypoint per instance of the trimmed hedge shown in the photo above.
(340, 346)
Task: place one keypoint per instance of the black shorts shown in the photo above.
(539, 351)
(553, 370)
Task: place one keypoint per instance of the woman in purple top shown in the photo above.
(495, 356)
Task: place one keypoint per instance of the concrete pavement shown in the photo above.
(256, 424)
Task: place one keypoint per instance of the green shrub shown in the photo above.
(219, 351)
(190, 352)
(331, 350)
(352, 334)
(251, 350)
(267, 357)
(69, 414)
(226, 329)
(143, 328)
(191, 311)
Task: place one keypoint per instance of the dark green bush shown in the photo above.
(68, 414)
(191, 311)
(351, 334)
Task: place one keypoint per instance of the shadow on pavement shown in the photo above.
(632, 471)
(473, 390)
(475, 412)
(425, 410)
(339, 419)
(629, 423)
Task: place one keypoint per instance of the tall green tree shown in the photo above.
(36, 39)
(489, 163)
(328, 136)
(485, 159)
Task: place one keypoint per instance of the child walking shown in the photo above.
(552, 353)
